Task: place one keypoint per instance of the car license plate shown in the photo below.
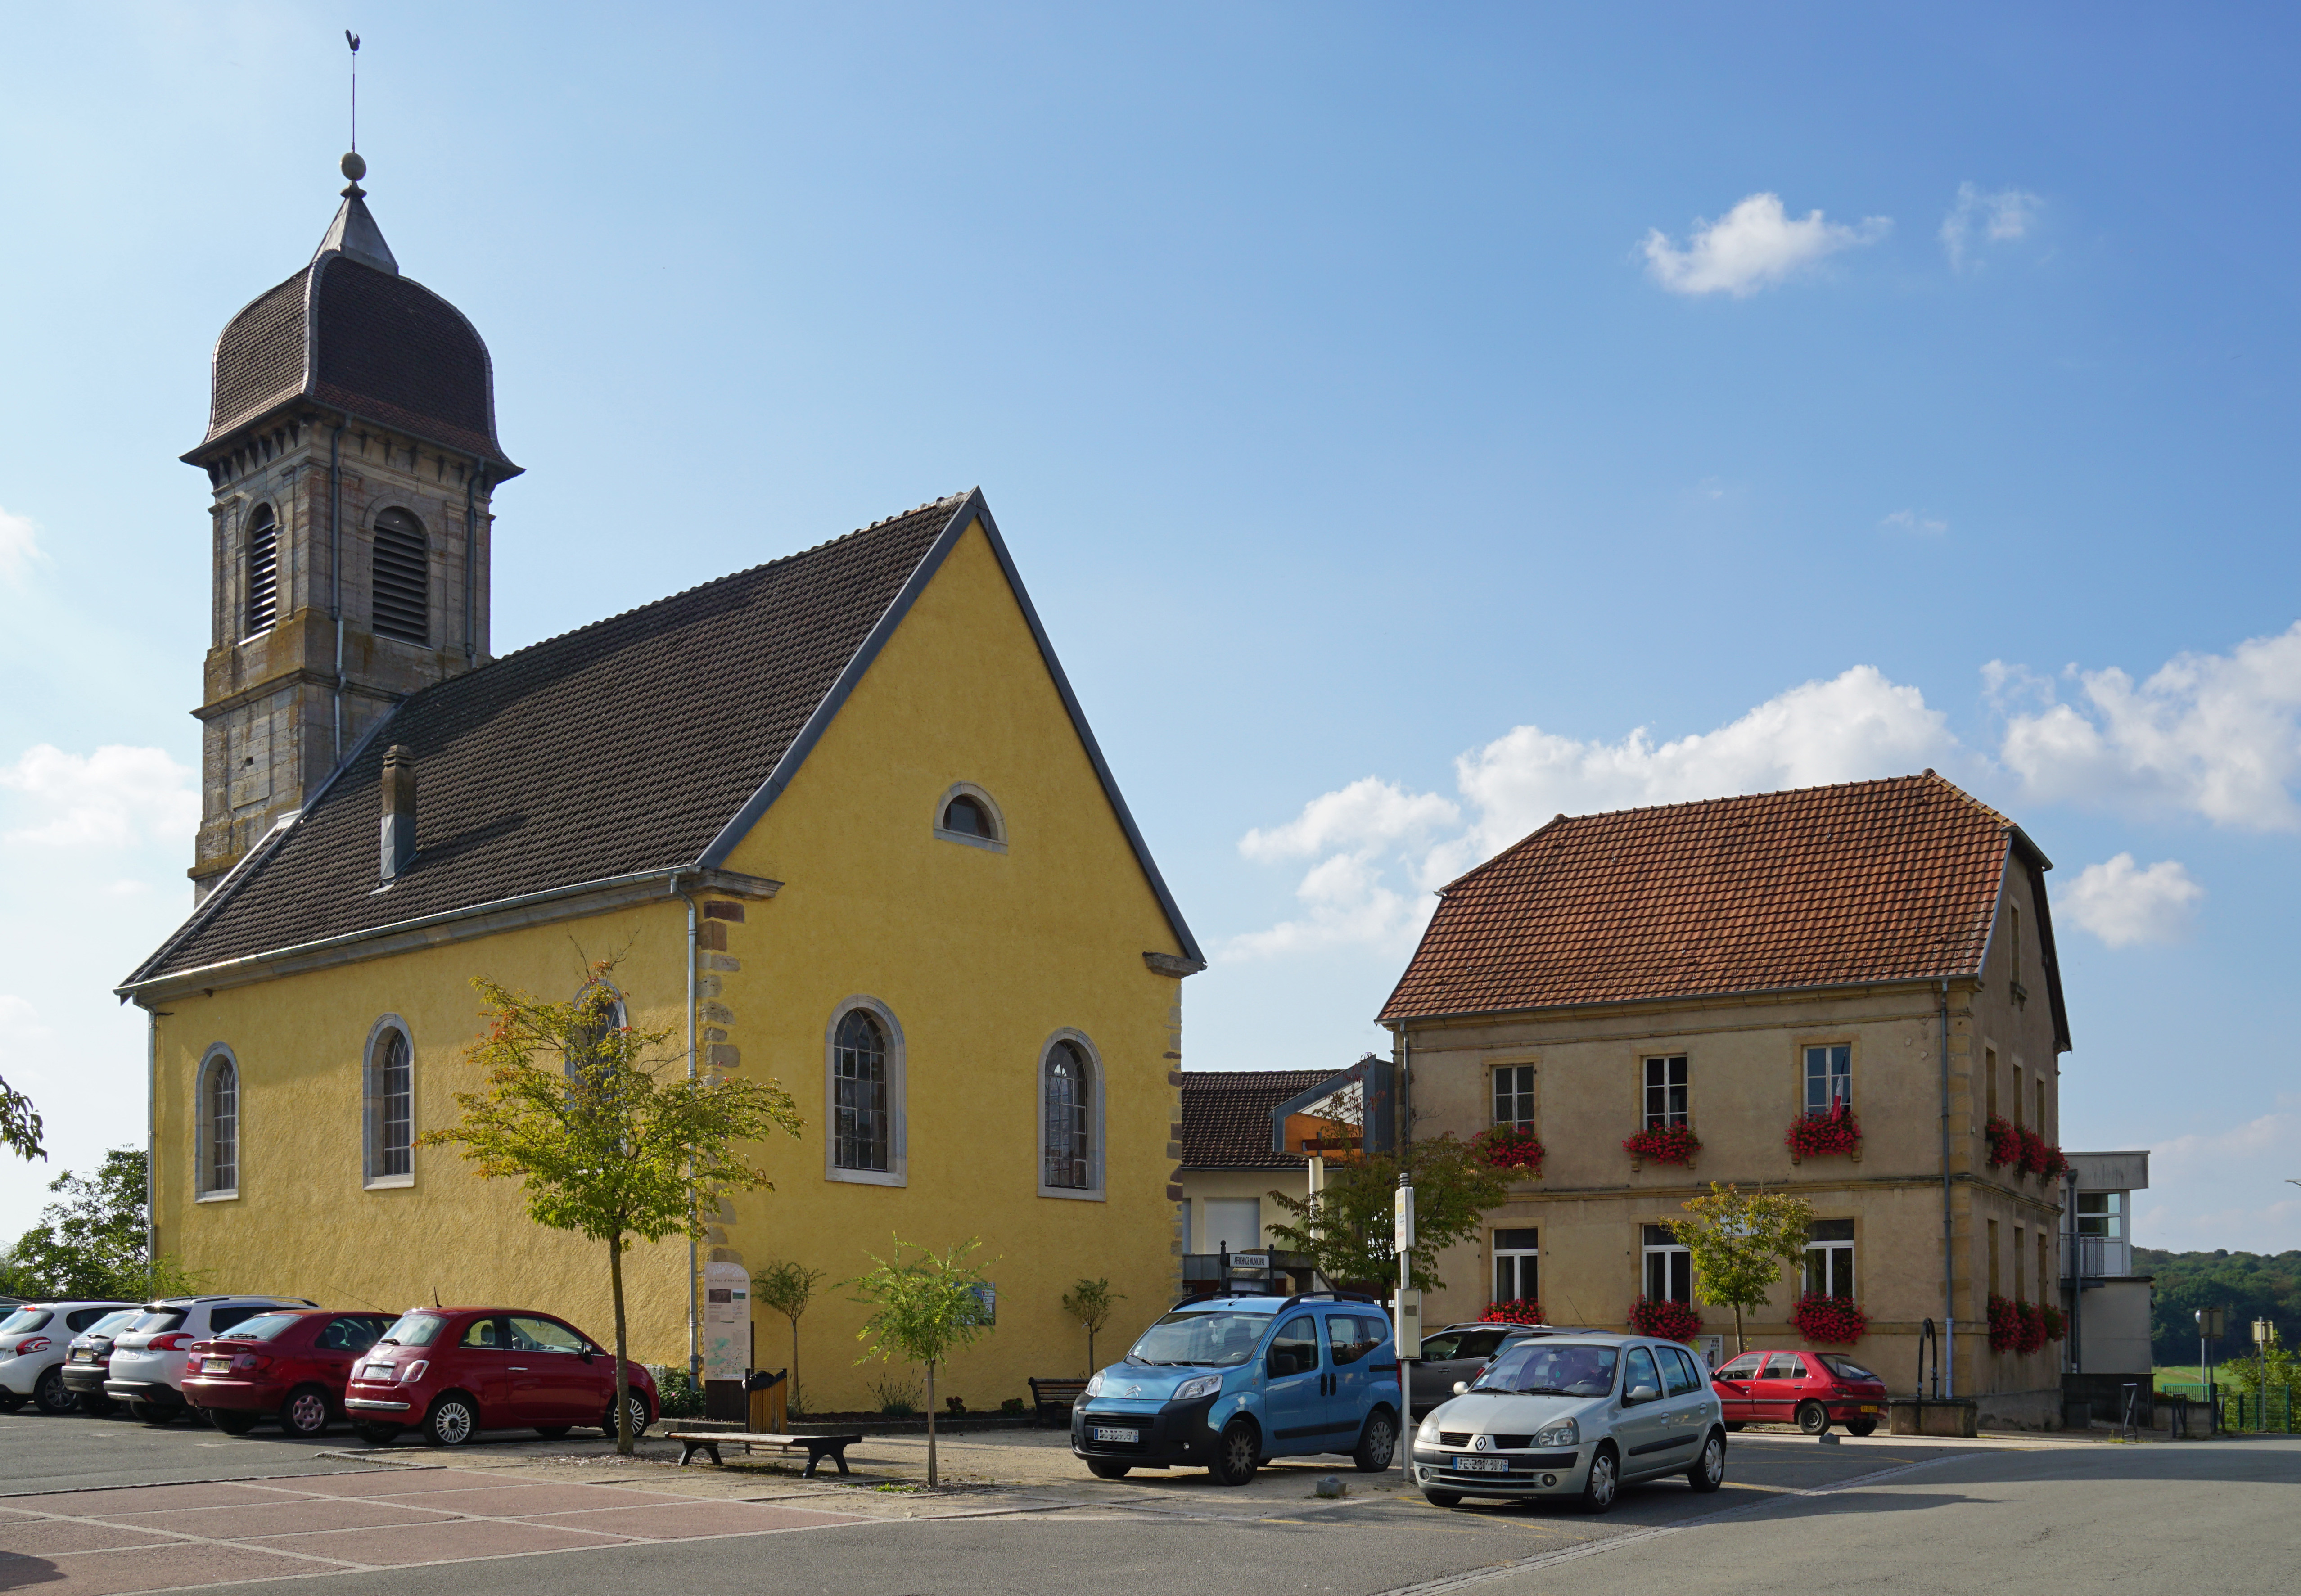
(215, 1366)
(83, 1356)
(376, 1371)
(1869, 1407)
(1482, 1464)
(1100, 1434)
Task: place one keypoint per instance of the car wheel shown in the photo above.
(1813, 1418)
(152, 1413)
(639, 1417)
(1442, 1499)
(1709, 1470)
(50, 1394)
(1237, 1454)
(306, 1414)
(96, 1404)
(1862, 1427)
(9, 1401)
(552, 1432)
(1108, 1471)
(377, 1434)
(1377, 1442)
(1604, 1484)
(231, 1421)
(453, 1420)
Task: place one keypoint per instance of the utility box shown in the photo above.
(1408, 1326)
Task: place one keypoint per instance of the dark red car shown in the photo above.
(292, 1363)
(452, 1371)
(1809, 1389)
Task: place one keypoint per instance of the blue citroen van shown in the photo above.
(1224, 1382)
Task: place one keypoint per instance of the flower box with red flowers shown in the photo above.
(1664, 1144)
(2005, 1143)
(2035, 1152)
(1830, 1321)
(1519, 1310)
(1825, 1135)
(2057, 1322)
(2016, 1326)
(1510, 1146)
(1668, 1321)
(2057, 1164)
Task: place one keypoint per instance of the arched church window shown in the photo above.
(967, 814)
(402, 578)
(263, 572)
(217, 1163)
(390, 1106)
(1067, 1103)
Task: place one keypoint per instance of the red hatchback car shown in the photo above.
(293, 1363)
(1809, 1390)
(452, 1371)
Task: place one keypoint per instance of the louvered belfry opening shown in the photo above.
(263, 572)
(403, 586)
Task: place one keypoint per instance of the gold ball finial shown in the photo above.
(353, 167)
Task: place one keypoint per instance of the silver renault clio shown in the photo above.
(1575, 1416)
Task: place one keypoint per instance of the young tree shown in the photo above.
(1089, 1302)
(605, 1130)
(922, 1309)
(787, 1288)
(91, 1242)
(20, 1124)
(1739, 1240)
(1347, 1229)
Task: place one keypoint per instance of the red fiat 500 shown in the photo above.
(293, 1363)
(1806, 1389)
(452, 1371)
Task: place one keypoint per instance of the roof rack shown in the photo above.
(1328, 1297)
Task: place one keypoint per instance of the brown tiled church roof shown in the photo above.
(1226, 1116)
(1885, 880)
(646, 742)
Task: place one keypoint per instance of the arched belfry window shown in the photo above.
(1070, 1118)
(864, 1086)
(263, 572)
(217, 1114)
(389, 1106)
(967, 814)
(402, 578)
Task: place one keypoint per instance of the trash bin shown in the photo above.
(768, 1395)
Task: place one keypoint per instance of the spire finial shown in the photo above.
(352, 39)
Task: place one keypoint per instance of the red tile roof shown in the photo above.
(1824, 886)
(1226, 1116)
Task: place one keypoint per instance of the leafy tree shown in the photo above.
(2248, 1285)
(1739, 1241)
(1091, 1303)
(1347, 1229)
(20, 1124)
(787, 1287)
(922, 1309)
(92, 1242)
(603, 1128)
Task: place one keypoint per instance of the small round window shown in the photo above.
(968, 817)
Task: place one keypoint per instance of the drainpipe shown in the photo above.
(151, 1143)
(471, 555)
(1949, 1244)
(694, 1321)
(336, 567)
(2077, 1274)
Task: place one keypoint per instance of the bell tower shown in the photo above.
(351, 449)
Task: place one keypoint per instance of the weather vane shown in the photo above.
(353, 167)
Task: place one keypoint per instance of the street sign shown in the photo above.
(1248, 1261)
(2211, 1321)
(1402, 1221)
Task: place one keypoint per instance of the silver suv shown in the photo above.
(148, 1357)
(1575, 1415)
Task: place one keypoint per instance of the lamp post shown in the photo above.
(1407, 1333)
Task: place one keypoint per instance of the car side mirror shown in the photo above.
(1640, 1393)
(586, 1355)
(1461, 1388)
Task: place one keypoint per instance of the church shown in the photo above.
(839, 816)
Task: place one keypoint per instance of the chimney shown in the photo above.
(398, 850)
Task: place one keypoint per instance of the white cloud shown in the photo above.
(1753, 246)
(1999, 218)
(2122, 903)
(1380, 849)
(1909, 521)
(19, 546)
(2213, 735)
(112, 799)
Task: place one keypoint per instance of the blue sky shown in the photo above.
(1412, 424)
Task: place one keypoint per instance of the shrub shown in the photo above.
(1670, 1144)
(1668, 1321)
(2057, 1322)
(1819, 1135)
(680, 1394)
(1516, 1311)
(2005, 1143)
(1831, 1321)
(1509, 1147)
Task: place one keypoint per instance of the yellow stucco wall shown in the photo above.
(981, 956)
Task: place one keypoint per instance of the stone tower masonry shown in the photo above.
(351, 447)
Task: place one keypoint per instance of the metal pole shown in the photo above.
(1949, 1228)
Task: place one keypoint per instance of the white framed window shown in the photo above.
(968, 814)
(863, 1095)
(2102, 1214)
(388, 1106)
(1070, 1117)
(1829, 1078)
(216, 1119)
(1669, 1266)
(1829, 1258)
(1666, 1102)
(1518, 1264)
(1514, 1095)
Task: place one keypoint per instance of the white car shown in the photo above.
(148, 1357)
(34, 1341)
(1575, 1416)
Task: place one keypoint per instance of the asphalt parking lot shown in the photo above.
(103, 1507)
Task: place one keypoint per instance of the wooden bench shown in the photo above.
(691, 1441)
(1058, 1396)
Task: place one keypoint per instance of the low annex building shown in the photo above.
(840, 814)
(1728, 969)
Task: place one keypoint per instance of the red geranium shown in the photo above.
(2005, 1323)
(2057, 1322)
(1669, 1321)
(1833, 1321)
(1667, 1144)
(1816, 1136)
(2057, 1163)
(2033, 1152)
(1509, 1147)
(1518, 1310)
(2005, 1141)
